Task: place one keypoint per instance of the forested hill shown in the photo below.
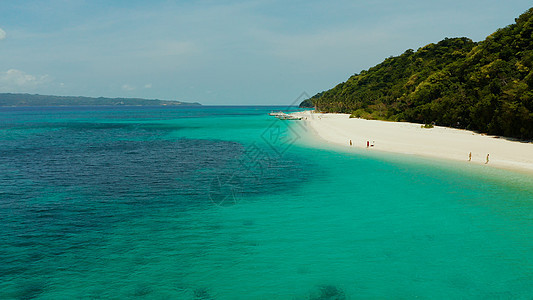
(485, 86)
(43, 100)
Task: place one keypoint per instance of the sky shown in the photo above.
(256, 52)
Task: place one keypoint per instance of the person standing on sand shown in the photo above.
(367, 144)
(487, 159)
(470, 156)
(350, 142)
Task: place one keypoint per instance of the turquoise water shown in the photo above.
(229, 203)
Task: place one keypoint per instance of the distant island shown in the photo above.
(483, 86)
(8, 99)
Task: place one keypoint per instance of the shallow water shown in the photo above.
(229, 203)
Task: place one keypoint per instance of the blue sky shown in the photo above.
(221, 52)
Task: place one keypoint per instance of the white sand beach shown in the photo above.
(410, 138)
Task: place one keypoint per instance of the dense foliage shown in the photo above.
(485, 86)
(44, 100)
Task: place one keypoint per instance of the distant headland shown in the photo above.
(9, 99)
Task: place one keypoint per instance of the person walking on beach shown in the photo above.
(350, 142)
(470, 156)
(367, 144)
(487, 159)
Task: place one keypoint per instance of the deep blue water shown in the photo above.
(229, 203)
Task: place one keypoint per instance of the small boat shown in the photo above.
(288, 117)
(276, 113)
(283, 116)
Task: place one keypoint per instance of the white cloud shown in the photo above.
(2, 34)
(148, 86)
(127, 87)
(18, 81)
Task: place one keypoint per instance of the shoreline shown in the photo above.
(409, 138)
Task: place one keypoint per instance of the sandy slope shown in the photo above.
(410, 138)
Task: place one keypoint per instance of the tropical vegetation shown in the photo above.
(484, 86)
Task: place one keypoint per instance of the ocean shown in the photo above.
(230, 203)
